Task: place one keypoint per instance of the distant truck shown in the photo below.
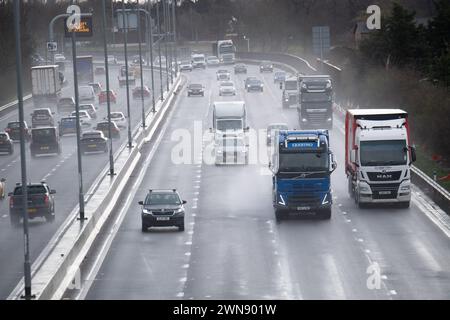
(45, 83)
(225, 51)
(85, 69)
(302, 163)
(378, 156)
(229, 118)
(41, 202)
(315, 108)
(290, 92)
(123, 76)
(198, 61)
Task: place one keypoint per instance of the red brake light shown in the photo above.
(46, 199)
(11, 202)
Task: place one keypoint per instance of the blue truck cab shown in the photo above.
(302, 163)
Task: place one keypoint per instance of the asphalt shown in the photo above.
(60, 172)
(233, 248)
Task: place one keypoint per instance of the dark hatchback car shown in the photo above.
(162, 208)
(13, 129)
(94, 141)
(103, 127)
(67, 125)
(253, 84)
(42, 117)
(6, 144)
(45, 141)
(195, 89)
(266, 66)
(240, 68)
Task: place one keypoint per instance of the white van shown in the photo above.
(86, 93)
(198, 61)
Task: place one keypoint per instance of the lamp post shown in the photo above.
(248, 43)
(151, 55)
(108, 101)
(138, 11)
(159, 50)
(165, 42)
(23, 164)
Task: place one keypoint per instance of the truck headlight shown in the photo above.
(304, 120)
(405, 188)
(329, 119)
(281, 201)
(325, 199)
(364, 189)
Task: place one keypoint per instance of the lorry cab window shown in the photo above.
(303, 162)
(231, 124)
(316, 96)
(383, 153)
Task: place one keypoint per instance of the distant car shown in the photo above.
(67, 125)
(185, 66)
(240, 68)
(37, 59)
(227, 88)
(138, 93)
(271, 129)
(102, 97)
(266, 66)
(86, 93)
(90, 108)
(59, 57)
(94, 141)
(157, 61)
(44, 141)
(212, 61)
(13, 129)
(42, 117)
(66, 104)
(253, 84)
(41, 203)
(162, 208)
(279, 76)
(103, 127)
(135, 60)
(96, 86)
(223, 75)
(100, 71)
(85, 118)
(6, 144)
(231, 151)
(119, 118)
(112, 59)
(195, 89)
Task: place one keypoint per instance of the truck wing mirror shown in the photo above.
(270, 165)
(247, 129)
(333, 166)
(353, 156)
(413, 154)
(184, 201)
(10, 194)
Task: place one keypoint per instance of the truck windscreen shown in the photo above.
(232, 124)
(316, 96)
(303, 162)
(226, 49)
(290, 85)
(383, 153)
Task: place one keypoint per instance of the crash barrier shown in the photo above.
(58, 264)
(427, 185)
(12, 105)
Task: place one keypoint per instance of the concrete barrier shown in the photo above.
(54, 272)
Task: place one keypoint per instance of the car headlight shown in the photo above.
(147, 212)
(304, 120)
(329, 119)
(178, 211)
(281, 200)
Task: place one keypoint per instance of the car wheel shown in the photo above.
(404, 205)
(50, 217)
(11, 150)
(144, 227)
(181, 227)
(15, 220)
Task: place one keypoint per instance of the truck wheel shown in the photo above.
(278, 215)
(325, 214)
(144, 227)
(350, 187)
(404, 205)
(49, 217)
(15, 220)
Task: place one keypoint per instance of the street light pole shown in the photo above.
(165, 43)
(108, 102)
(77, 115)
(159, 50)
(151, 55)
(169, 38)
(175, 36)
(23, 163)
(140, 61)
(112, 23)
(125, 39)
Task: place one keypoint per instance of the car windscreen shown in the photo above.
(162, 199)
(31, 190)
(91, 136)
(40, 112)
(3, 137)
(227, 84)
(290, 85)
(195, 86)
(14, 125)
(116, 116)
(68, 121)
(86, 107)
(44, 135)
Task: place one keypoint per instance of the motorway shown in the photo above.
(60, 172)
(233, 248)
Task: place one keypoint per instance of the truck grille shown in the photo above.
(385, 190)
(386, 176)
(317, 118)
(303, 200)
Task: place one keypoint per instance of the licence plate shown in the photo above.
(44, 148)
(303, 208)
(92, 145)
(384, 192)
(162, 218)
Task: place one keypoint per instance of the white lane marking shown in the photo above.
(4, 216)
(185, 266)
(180, 294)
(430, 261)
(182, 279)
(392, 292)
(187, 253)
(335, 284)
